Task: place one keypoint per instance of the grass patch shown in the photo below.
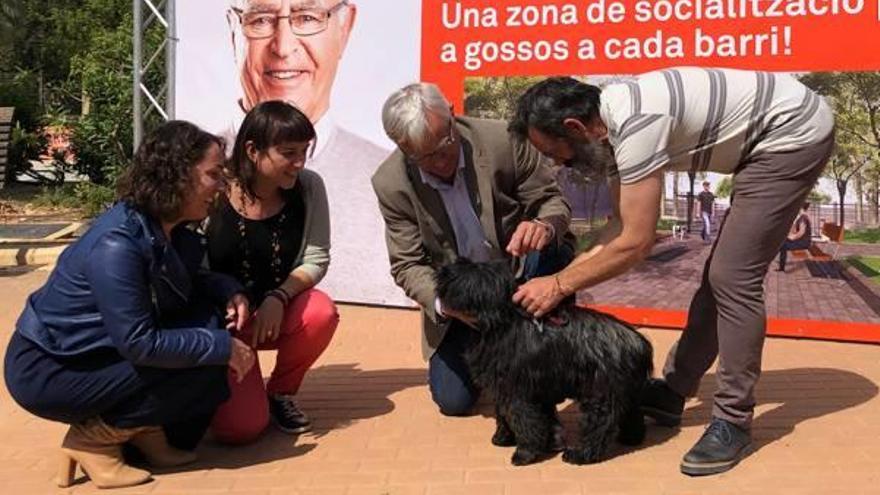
(666, 223)
(89, 198)
(57, 197)
(867, 236)
(868, 265)
(587, 233)
(586, 241)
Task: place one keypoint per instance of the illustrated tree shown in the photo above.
(818, 197)
(871, 178)
(855, 97)
(848, 159)
(724, 188)
(496, 97)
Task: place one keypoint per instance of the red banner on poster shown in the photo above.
(467, 38)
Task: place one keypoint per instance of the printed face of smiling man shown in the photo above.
(280, 64)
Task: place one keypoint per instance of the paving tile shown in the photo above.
(377, 431)
(504, 475)
(469, 489)
(414, 489)
(554, 487)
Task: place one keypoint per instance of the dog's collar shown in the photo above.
(553, 319)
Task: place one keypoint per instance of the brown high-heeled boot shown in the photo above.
(153, 444)
(97, 447)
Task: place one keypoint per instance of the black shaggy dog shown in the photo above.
(591, 357)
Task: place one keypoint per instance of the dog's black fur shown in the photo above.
(591, 357)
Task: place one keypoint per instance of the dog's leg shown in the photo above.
(632, 425)
(598, 423)
(533, 430)
(557, 441)
(503, 436)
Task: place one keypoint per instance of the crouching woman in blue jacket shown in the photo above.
(126, 340)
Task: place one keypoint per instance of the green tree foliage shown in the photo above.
(494, 97)
(18, 90)
(72, 62)
(102, 136)
(724, 187)
(818, 198)
(855, 97)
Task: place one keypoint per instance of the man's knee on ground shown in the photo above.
(454, 403)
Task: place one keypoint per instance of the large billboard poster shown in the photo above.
(342, 76)
(339, 77)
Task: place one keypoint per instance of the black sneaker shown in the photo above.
(287, 416)
(720, 448)
(662, 403)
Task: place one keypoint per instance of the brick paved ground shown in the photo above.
(806, 291)
(817, 429)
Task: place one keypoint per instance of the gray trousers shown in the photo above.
(727, 318)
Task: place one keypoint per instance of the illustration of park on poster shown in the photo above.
(609, 39)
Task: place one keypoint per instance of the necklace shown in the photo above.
(245, 271)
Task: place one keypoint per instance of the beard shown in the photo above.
(593, 159)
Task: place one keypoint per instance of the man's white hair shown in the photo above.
(405, 114)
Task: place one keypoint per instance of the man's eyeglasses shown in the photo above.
(302, 21)
(447, 141)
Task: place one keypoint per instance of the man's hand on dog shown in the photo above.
(539, 295)
(529, 236)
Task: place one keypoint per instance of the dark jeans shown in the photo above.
(790, 245)
(448, 377)
(105, 384)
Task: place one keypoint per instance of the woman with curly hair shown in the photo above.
(125, 341)
(271, 232)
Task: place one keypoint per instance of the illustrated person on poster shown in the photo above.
(705, 209)
(290, 50)
(800, 236)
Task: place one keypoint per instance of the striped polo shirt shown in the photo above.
(696, 119)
